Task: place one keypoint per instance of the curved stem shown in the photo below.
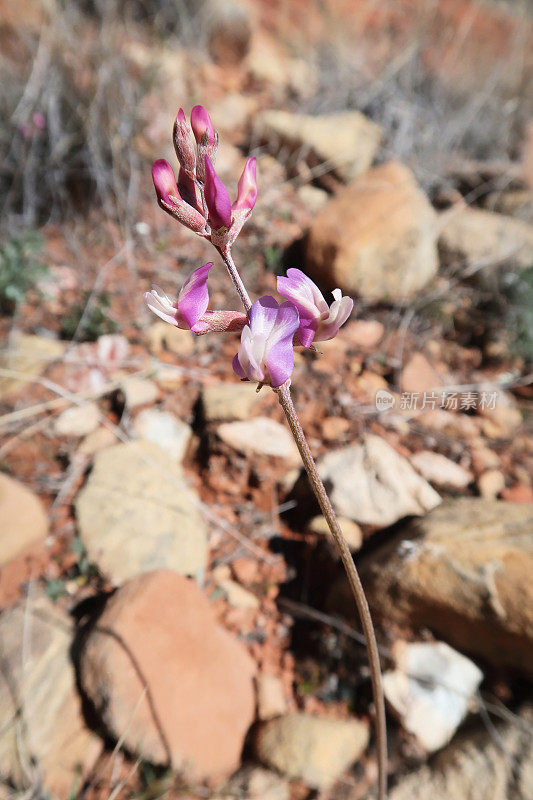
(286, 403)
(235, 277)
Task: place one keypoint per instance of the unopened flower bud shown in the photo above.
(184, 143)
(216, 198)
(170, 200)
(247, 188)
(201, 125)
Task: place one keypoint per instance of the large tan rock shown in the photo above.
(136, 513)
(39, 706)
(26, 357)
(464, 571)
(376, 238)
(485, 239)
(162, 674)
(345, 142)
(314, 749)
(477, 767)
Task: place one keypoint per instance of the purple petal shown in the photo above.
(201, 124)
(165, 182)
(194, 296)
(237, 367)
(184, 144)
(339, 311)
(247, 187)
(263, 316)
(216, 198)
(279, 355)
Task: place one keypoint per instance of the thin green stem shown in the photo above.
(285, 399)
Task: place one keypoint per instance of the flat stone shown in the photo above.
(364, 333)
(24, 520)
(136, 513)
(163, 336)
(256, 783)
(316, 750)
(312, 197)
(375, 238)
(260, 436)
(370, 483)
(97, 440)
(347, 141)
(237, 595)
(485, 239)
(419, 376)
(430, 689)
(463, 571)
(228, 401)
(28, 356)
(78, 420)
(42, 721)
(164, 429)
(167, 680)
(441, 471)
(139, 391)
(491, 483)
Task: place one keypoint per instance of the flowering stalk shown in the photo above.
(269, 331)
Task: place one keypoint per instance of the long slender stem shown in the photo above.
(286, 403)
(235, 277)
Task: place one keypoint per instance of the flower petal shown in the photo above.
(193, 298)
(201, 124)
(263, 316)
(165, 182)
(247, 187)
(217, 198)
(279, 354)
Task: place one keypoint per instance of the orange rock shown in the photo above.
(162, 674)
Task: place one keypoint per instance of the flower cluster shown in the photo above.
(199, 200)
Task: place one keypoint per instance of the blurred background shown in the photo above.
(174, 620)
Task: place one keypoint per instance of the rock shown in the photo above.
(350, 530)
(441, 471)
(159, 631)
(491, 483)
(23, 533)
(460, 426)
(364, 333)
(347, 141)
(430, 689)
(269, 62)
(483, 459)
(228, 401)
(256, 783)
(43, 731)
(312, 197)
(165, 430)
(136, 513)
(139, 391)
(464, 571)
(334, 428)
(261, 436)
(237, 595)
(316, 750)
(270, 696)
(477, 767)
(162, 336)
(485, 239)
(519, 493)
(97, 440)
(229, 31)
(373, 485)
(27, 356)
(232, 112)
(418, 376)
(501, 420)
(376, 237)
(78, 420)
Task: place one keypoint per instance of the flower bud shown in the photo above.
(184, 143)
(170, 200)
(201, 125)
(216, 198)
(247, 188)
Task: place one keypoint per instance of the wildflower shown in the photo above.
(247, 187)
(184, 144)
(266, 353)
(189, 311)
(170, 199)
(202, 126)
(216, 198)
(318, 321)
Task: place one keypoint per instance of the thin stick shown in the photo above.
(319, 490)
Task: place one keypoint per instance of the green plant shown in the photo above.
(20, 269)
(520, 313)
(89, 319)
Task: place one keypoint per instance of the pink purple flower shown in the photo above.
(318, 321)
(189, 311)
(201, 126)
(266, 353)
(184, 144)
